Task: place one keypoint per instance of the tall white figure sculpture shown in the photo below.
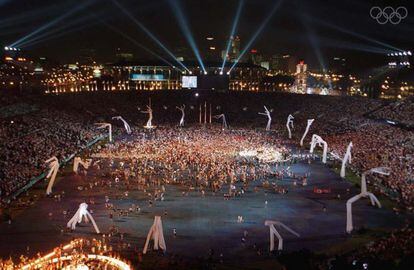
(364, 194)
(347, 158)
(126, 125)
(53, 164)
(273, 232)
(182, 109)
(223, 120)
(317, 140)
(149, 122)
(269, 118)
(156, 234)
(310, 121)
(289, 124)
(106, 125)
(82, 213)
(78, 161)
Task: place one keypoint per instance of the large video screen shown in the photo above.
(189, 81)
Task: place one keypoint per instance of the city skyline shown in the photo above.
(313, 31)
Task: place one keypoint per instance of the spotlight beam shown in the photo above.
(116, 30)
(233, 31)
(31, 44)
(27, 16)
(257, 33)
(50, 24)
(314, 41)
(46, 35)
(351, 46)
(182, 22)
(149, 33)
(3, 2)
(335, 27)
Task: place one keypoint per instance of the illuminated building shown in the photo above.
(234, 51)
(301, 77)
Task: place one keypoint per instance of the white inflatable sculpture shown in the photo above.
(149, 122)
(289, 124)
(316, 139)
(78, 161)
(106, 125)
(347, 158)
(310, 121)
(273, 232)
(224, 119)
(156, 234)
(82, 213)
(53, 164)
(364, 194)
(182, 109)
(126, 125)
(269, 118)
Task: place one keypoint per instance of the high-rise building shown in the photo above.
(338, 65)
(276, 63)
(284, 63)
(235, 49)
(183, 53)
(210, 50)
(255, 57)
(301, 77)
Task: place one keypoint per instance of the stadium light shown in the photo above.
(256, 34)
(182, 22)
(232, 33)
(149, 33)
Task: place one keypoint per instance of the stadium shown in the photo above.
(168, 163)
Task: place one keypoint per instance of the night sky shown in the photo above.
(314, 30)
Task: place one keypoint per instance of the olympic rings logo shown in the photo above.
(388, 14)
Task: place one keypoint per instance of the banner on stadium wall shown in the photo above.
(146, 77)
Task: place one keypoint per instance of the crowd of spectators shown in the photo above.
(37, 128)
(63, 123)
(401, 111)
(377, 145)
(28, 140)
